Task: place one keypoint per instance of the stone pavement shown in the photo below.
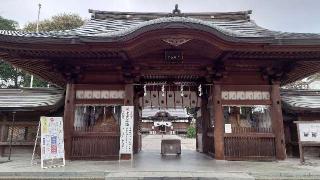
(150, 165)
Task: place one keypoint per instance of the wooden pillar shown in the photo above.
(129, 95)
(4, 128)
(205, 122)
(218, 122)
(4, 132)
(277, 121)
(68, 119)
(136, 132)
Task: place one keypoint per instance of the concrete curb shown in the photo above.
(133, 175)
(286, 175)
(53, 175)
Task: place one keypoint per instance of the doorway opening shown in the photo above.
(171, 112)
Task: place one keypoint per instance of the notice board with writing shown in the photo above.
(126, 130)
(52, 143)
(308, 134)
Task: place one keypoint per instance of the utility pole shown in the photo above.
(37, 30)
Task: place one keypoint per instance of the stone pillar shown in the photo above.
(218, 122)
(277, 121)
(68, 119)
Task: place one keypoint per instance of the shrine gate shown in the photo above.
(222, 64)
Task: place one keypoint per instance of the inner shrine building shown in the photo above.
(223, 66)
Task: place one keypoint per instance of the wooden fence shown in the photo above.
(98, 146)
(210, 143)
(250, 146)
(23, 134)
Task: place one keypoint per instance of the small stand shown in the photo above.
(36, 141)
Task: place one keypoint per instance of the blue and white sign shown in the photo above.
(52, 143)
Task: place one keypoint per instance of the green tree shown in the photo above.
(7, 24)
(10, 76)
(13, 77)
(57, 23)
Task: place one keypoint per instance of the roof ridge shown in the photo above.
(97, 14)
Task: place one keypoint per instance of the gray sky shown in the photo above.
(282, 15)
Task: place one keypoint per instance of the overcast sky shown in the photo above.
(282, 15)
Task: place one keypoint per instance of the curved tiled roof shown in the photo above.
(301, 99)
(109, 26)
(31, 98)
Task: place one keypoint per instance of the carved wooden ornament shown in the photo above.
(176, 41)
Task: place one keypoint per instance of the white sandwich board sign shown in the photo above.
(52, 143)
(308, 134)
(126, 130)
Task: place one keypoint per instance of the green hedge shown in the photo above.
(191, 132)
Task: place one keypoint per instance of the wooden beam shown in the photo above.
(245, 88)
(218, 122)
(99, 87)
(99, 101)
(277, 121)
(246, 102)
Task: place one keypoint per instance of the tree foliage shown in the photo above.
(57, 23)
(10, 76)
(13, 77)
(8, 24)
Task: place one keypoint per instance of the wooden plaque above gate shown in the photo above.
(245, 95)
(99, 94)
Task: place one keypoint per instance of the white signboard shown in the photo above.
(227, 128)
(52, 143)
(126, 130)
(309, 132)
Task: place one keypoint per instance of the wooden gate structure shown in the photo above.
(107, 61)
